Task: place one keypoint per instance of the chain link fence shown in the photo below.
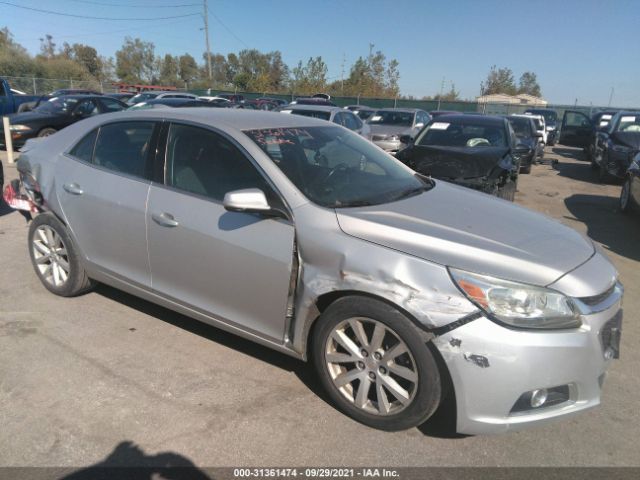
(43, 86)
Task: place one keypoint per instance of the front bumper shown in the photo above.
(492, 367)
(391, 146)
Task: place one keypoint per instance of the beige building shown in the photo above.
(520, 99)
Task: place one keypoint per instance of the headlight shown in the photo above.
(518, 304)
(19, 128)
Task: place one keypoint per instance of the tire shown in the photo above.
(526, 170)
(59, 268)
(603, 175)
(508, 191)
(45, 132)
(413, 374)
(625, 196)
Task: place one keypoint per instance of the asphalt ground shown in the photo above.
(109, 378)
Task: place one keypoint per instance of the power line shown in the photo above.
(228, 29)
(150, 7)
(143, 19)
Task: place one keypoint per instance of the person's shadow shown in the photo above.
(129, 462)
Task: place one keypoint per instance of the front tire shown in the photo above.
(625, 196)
(55, 258)
(374, 366)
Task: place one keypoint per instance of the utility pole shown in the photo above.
(342, 77)
(441, 90)
(206, 35)
(610, 97)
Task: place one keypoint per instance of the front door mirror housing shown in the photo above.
(249, 200)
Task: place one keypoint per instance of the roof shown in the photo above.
(471, 119)
(408, 110)
(238, 119)
(312, 108)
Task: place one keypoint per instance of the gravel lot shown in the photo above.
(78, 377)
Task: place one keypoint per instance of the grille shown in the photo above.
(597, 299)
(610, 334)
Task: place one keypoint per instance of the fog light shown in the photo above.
(538, 397)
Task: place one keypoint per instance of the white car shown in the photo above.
(540, 125)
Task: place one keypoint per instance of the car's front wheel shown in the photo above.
(625, 195)
(55, 257)
(374, 366)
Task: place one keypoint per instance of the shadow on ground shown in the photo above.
(575, 153)
(441, 425)
(129, 462)
(615, 230)
(4, 208)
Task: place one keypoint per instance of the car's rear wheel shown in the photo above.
(45, 132)
(55, 258)
(374, 366)
(625, 196)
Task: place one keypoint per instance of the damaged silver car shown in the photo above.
(306, 238)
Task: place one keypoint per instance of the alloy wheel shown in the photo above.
(371, 366)
(50, 255)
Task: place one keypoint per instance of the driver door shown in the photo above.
(577, 129)
(233, 266)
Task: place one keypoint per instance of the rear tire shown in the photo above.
(55, 258)
(374, 365)
(625, 196)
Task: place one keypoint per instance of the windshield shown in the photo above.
(336, 168)
(463, 134)
(57, 105)
(364, 114)
(521, 126)
(389, 117)
(549, 117)
(310, 113)
(141, 97)
(629, 123)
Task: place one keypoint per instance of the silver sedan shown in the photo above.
(304, 237)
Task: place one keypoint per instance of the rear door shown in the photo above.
(577, 129)
(103, 184)
(233, 266)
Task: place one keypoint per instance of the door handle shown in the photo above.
(72, 188)
(164, 219)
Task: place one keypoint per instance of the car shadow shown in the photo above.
(581, 172)
(128, 461)
(441, 425)
(605, 223)
(4, 208)
(575, 153)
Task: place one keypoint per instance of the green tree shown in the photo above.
(500, 80)
(529, 84)
(169, 70)
(47, 47)
(188, 68)
(135, 61)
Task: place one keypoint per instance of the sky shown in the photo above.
(579, 49)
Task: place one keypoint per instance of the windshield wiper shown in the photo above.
(411, 192)
(355, 203)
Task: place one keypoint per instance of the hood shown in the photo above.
(27, 117)
(453, 162)
(461, 228)
(390, 129)
(629, 139)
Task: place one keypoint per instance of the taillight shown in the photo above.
(17, 200)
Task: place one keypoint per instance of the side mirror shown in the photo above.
(250, 200)
(406, 139)
(419, 125)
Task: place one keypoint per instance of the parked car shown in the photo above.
(616, 146)
(11, 100)
(263, 104)
(362, 111)
(122, 96)
(217, 100)
(388, 125)
(174, 103)
(278, 101)
(599, 121)
(438, 113)
(550, 120)
(478, 152)
(319, 101)
(526, 134)
(151, 94)
(232, 97)
(304, 237)
(630, 192)
(56, 114)
(540, 128)
(331, 114)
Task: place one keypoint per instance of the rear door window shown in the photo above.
(124, 148)
(83, 150)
